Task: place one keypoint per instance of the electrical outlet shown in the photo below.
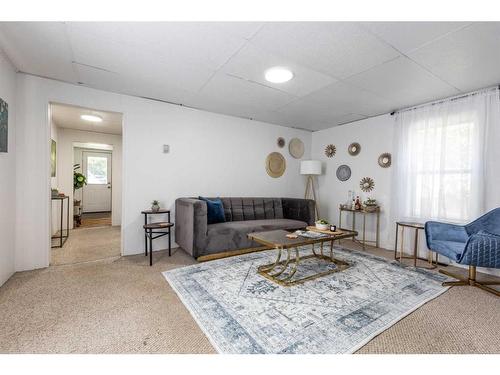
(166, 149)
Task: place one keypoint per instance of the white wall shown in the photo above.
(210, 154)
(7, 173)
(66, 160)
(375, 135)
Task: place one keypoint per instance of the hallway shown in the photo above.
(88, 244)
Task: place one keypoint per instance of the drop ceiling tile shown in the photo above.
(468, 59)
(340, 49)
(407, 36)
(337, 100)
(40, 48)
(126, 60)
(251, 63)
(403, 83)
(341, 120)
(126, 84)
(233, 91)
(210, 44)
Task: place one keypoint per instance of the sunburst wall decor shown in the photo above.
(330, 150)
(367, 184)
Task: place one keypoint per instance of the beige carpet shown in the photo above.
(125, 306)
(88, 244)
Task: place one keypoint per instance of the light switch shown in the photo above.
(166, 149)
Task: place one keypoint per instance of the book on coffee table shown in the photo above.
(310, 234)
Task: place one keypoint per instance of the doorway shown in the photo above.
(87, 172)
(93, 203)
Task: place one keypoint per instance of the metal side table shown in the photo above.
(363, 212)
(156, 230)
(417, 227)
(61, 237)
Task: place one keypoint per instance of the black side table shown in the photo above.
(417, 227)
(156, 230)
(61, 237)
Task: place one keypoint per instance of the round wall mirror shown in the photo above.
(343, 173)
(384, 160)
(354, 149)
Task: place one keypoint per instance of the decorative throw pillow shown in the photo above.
(215, 210)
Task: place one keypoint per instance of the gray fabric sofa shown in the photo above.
(243, 216)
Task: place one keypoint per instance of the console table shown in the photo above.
(61, 237)
(363, 212)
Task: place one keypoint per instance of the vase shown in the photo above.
(155, 208)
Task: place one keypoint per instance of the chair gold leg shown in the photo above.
(488, 289)
(455, 283)
(451, 274)
(471, 280)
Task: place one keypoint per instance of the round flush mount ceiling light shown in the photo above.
(91, 118)
(278, 74)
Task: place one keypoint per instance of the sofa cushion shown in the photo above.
(215, 210)
(449, 249)
(233, 235)
(239, 209)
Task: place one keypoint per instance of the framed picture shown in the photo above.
(4, 126)
(53, 160)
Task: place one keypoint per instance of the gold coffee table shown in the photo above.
(276, 239)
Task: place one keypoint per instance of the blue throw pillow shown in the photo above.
(215, 210)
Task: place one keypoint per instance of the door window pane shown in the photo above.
(97, 170)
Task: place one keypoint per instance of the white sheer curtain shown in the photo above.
(443, 158)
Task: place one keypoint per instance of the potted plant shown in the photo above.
(371, 205)
(155, 206)
(322, 224)
(79, 180)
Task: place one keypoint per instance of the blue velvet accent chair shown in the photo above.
(476, 244)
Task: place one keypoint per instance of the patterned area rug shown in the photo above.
(242, 312)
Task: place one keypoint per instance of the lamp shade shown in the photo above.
(310, 167)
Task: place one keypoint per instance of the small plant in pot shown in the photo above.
(322, 224)
(155, 206)
(371, 205)
(78, 179)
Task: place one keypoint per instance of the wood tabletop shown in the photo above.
(363, 211)
(151, 212)
(277, 238)
(159, 225)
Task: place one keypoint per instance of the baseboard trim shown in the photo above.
(230, 253)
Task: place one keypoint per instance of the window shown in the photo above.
(441, 158)
(440, 184)
(97, 170)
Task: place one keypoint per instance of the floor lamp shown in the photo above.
(311, 168)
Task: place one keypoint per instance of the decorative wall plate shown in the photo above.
(343, 173)
(367, 184)
(296, 148)
(385, 160)
(330, 150)
(354, 149)
(275, 164)
(280, 142)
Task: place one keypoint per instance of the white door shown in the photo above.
(97, 193)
